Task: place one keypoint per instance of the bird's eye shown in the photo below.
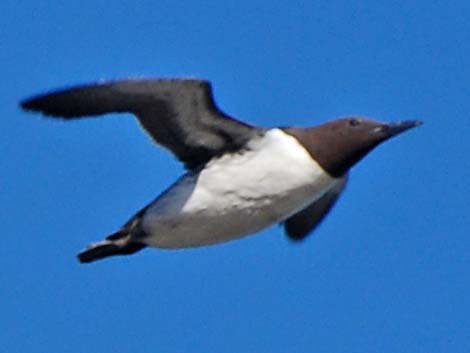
(354, 122)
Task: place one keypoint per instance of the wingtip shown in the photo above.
(33, 104)
(83, 259)
(27, 104)
(50, 105)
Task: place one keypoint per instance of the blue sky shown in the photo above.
(388, 271)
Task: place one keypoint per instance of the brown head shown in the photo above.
(340, 144)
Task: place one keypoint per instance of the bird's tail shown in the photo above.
(115, 244)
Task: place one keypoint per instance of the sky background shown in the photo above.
(389, 269)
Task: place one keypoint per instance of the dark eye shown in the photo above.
(354, 122)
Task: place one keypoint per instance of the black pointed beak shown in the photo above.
(393, 129)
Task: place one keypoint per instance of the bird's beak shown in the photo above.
(392, 129)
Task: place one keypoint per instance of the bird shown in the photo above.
(239, 178)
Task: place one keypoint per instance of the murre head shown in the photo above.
(339, 144)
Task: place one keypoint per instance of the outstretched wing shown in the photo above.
(179, 114)
(301, 224)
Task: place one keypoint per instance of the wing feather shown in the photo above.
(301, 224)
(179, 114)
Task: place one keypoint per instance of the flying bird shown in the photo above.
(239, 178)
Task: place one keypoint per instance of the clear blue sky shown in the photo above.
(388, 271)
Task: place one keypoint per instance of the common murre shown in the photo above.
(240, 178)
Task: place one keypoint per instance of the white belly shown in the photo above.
(236, 195)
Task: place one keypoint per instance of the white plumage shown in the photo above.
(236, 194)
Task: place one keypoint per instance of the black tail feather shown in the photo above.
(120, 243)
(105, 249)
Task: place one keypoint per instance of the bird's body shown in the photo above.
(236, 194)
(240, 178)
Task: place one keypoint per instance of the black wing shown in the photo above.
(304, 222)
(179, 114)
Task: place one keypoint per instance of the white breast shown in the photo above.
(237, 194)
